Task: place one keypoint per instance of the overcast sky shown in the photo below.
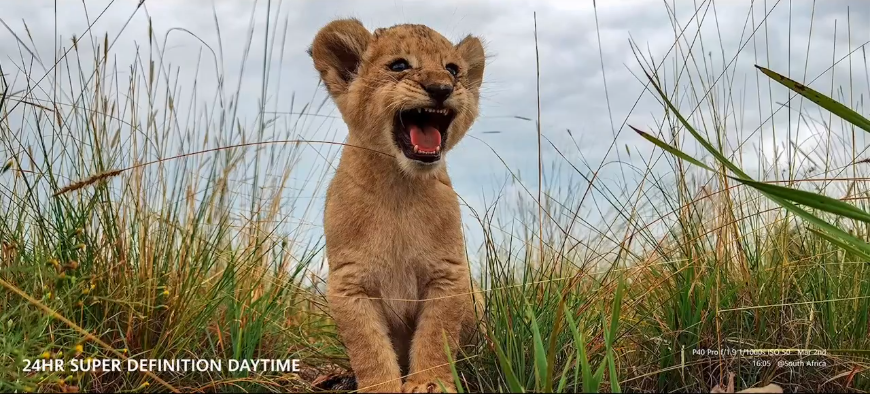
(573, 73)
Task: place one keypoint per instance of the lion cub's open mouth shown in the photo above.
(421, 132)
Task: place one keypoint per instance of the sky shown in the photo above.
(589, 77)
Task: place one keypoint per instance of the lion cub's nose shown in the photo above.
(439, 92)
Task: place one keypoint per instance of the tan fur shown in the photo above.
(399, 280)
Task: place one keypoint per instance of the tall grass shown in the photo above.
(137, 222)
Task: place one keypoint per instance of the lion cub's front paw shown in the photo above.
(431, 386)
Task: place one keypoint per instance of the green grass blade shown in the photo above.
(575, 376)
(6, 166)
(453, 365)
(855, 244)
(809, 199)
(507, 370)
(822, 100)
(670, 149)
(596, 381)
(843, 244)
(704, 142)
(554, 337)
(589, 382)
(541, 366)
(612, 371)
(611, 335)
(850, 242)
(563, 380)
(442, 386)
(580, 346)
(615, 312)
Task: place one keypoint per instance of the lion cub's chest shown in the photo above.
(397, 241)
(394, 227)
(416, 230)
(397, 234)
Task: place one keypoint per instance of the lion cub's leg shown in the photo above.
(364, 331)
(441, 316)
(473, 322)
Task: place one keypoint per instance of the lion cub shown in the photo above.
(399, 280)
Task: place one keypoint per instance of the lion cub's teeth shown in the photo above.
(438, 148)
(416, 150)
(442, 111)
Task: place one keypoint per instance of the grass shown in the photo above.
(133, 226)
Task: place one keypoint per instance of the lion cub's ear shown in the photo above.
(473, 52)
(337, 51)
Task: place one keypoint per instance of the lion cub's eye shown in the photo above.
(452, 68)
(399, 65)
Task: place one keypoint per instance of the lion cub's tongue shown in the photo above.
(427, 138)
